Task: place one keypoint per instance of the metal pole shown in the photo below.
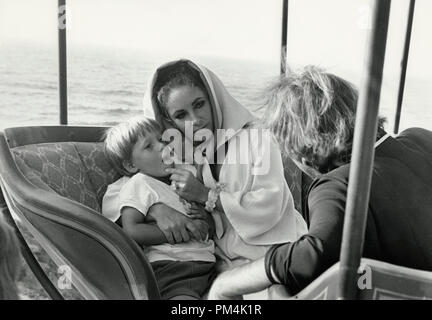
(363, 153)
(62, 61)
(284, 36)
(404, 64)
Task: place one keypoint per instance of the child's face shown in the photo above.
(147, 156)
(188, 103)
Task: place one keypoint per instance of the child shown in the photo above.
(135, 148)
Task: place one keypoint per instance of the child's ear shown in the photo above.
(130, 167)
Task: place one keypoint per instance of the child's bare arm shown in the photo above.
(143, 233)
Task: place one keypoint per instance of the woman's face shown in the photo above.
(191, 104)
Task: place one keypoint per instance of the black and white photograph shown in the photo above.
(217, 153)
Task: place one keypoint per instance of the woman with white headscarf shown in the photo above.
(239, 179)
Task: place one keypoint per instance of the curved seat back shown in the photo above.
(53, 180)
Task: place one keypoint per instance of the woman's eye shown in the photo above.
(180, 116)
(199, 104)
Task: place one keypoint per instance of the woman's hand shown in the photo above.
(187, 186)
(176, 226)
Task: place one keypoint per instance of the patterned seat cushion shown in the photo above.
(76, 170)
(99, 170)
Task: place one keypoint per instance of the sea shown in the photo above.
(107, 85)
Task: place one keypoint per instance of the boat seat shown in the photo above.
(52, 180)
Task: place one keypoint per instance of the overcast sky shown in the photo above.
(330, 33)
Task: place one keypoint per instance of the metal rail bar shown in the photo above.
(62, 61)
(283, 62)
(363, 153)
(404, 65)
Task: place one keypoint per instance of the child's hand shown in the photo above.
(196, 211)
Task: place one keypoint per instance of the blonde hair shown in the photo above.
(312, 115)
(10, 261)
(120, 139)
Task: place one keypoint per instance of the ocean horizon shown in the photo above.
(106, 85)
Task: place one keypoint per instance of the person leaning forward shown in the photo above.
(312, 114)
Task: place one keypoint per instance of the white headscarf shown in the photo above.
(228, 113)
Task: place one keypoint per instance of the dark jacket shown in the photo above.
(399, 223)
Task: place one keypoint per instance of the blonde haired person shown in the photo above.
(182, 270)
(312, 114)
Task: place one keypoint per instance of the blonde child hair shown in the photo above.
(120, 139)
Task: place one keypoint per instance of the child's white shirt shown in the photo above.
(141, 192)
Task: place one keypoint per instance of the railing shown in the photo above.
(61, 15)
(365, 134)
(404, 65)
(283, 62)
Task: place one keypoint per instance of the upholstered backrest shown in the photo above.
(99, 170)
(76, 170)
